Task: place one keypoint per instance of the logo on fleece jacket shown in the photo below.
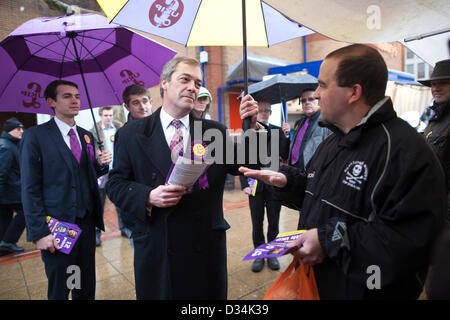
(355, 174)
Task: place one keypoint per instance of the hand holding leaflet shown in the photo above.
(66, 234)
(186, 172)
(275, 248)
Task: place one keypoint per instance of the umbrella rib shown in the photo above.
(127, 51)
(18, 68)
(193, 22)
(265, 26)
(103, 40)
(44, 47)
(62, 61)
(102, 71)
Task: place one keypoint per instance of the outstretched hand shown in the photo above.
(273, 178)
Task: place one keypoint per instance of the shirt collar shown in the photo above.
(166, 119)
(64, 127)
(110, 128)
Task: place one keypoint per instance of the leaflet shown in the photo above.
(66, 234)
(275, 248)
(252, 184)
(185, 172)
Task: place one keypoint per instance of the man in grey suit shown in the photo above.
(307, 132)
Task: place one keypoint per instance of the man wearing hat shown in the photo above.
(201, 106)
(437, 133)
(10, 199)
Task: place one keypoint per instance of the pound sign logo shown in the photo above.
(165, 13)
(34, 95)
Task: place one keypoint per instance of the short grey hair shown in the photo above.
(171, 66)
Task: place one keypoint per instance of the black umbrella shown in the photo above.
(282, 88)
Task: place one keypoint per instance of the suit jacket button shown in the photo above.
(170, 252)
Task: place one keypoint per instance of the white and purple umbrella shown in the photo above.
(101, 57)
(207, 23)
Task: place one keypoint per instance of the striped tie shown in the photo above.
(176, 145)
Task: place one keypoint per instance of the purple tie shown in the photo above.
(75, 145)
(298, 142)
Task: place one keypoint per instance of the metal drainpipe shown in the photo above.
(203, 69)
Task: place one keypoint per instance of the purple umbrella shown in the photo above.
(85, 49)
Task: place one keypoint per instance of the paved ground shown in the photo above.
(22, 276)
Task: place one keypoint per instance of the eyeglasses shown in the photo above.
(310, 99)
(264, 110)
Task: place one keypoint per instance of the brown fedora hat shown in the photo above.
(441, 71)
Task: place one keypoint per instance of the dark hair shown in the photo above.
(307, 90)
(50, 91)
(363, 65)
(134, 89)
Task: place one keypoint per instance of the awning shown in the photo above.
(368, 21)
(257, 67)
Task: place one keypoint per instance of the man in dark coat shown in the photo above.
(179, 237)
(373, 196)
(59, 173)
(437, 132)
(10, 200)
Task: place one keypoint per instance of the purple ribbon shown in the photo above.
(90, 149)
(203, 182)
(197, 153)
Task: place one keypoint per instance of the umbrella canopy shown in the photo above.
(205, 23)
(368, 21)
(100, 57)
(282, 88)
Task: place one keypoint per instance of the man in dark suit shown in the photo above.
(264, 196)
(179, 237)
(59, 179)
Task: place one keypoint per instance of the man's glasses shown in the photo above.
(307, 99)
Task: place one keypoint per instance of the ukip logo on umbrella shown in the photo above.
(130, 76)
(165, 13)
(33, 94)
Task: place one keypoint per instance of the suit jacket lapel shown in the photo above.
(153, 144)
(56, 137)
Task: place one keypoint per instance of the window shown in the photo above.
(409, 54)
(410, 68)
(420, 70)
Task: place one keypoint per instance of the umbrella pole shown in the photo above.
(72, 35)
(247, 122)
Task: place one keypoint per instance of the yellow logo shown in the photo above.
(198, 149)
(87, 139)
(112, 138)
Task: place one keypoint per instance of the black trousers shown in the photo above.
(11, 228)
(264, 198)
(62, 269)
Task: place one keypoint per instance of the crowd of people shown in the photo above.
(370, 189)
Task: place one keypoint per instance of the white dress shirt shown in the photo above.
(109, 144)
(169, 130)
(64, 128)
